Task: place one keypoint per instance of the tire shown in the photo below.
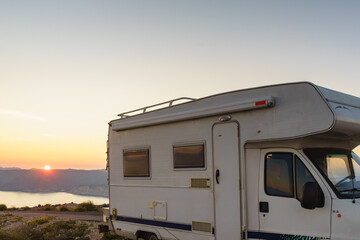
(151, 236)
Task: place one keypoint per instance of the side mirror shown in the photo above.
(311, 198)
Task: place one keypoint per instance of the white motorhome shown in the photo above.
(272, 162)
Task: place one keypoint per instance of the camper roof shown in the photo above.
(308, 103)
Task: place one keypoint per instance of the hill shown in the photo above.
(10, 168)
(82, 182)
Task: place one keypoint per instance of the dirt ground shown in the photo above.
(84, 216)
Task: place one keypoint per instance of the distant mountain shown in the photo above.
(82, 182)
(10, 168)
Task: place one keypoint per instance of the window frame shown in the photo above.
(148, 149)
(189, 144)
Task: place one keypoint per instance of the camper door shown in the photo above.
(227, 181)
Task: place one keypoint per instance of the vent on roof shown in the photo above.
(201, 226)
(203, 183)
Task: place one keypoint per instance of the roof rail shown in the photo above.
(146, 109)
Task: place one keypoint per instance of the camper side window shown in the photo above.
(190, 156)
(136, 163)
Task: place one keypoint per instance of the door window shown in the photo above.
(279, 174)
(283, 171)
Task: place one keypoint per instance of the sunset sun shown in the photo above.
(47, 168)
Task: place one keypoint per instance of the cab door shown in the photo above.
(283, 175)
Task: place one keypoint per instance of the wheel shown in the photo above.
(151, 236)
(146, 236)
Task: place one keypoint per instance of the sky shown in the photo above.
(69, 67)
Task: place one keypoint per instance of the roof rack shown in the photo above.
(146, 109)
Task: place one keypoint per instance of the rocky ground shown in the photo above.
(40, 224)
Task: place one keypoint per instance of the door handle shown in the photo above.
(264, 207)
(217, 175)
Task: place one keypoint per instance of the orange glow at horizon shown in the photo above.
(57, 153)
(47, 168)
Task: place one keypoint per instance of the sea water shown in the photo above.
(22, 199)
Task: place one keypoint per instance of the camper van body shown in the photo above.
(206, 169)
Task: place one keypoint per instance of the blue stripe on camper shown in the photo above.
(180, 226)
(263, 235)
(187, 227)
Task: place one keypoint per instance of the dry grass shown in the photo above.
(13, 227)
(23, 226)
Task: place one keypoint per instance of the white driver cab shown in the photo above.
(298, 188)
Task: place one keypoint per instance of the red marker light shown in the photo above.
(260, 103)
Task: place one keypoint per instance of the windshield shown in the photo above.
(341, 168)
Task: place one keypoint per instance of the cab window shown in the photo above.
(286, 176)
(279, 174)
